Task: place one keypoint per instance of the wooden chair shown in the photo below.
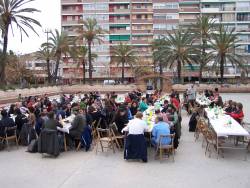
(7, 137)
(118, 138)
(163, 147)
(105, 139)
(210, 139)
(201, 125)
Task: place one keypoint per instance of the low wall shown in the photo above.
(10, 96)
(223, 89)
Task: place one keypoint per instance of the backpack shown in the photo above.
(33, 146)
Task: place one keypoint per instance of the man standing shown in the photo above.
(191, 95)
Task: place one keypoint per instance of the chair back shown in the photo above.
(104, 133)
(11, 130)
(162, 137)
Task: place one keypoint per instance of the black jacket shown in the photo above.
(48, 142)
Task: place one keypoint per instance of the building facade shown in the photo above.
(138, 22)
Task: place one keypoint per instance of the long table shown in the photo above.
(224, 126)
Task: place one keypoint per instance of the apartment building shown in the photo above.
(138, 22)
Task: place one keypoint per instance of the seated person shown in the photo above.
(143, 105)
(6, 121)
(135, 145)
(165, 106)
(121, 118)
(20, 119)
(160, 128)
(228, 106)
(238, 115)
(78, 124)
(51, 123)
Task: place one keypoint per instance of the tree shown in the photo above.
(202, 30)
(176, 49)
(46, 53)
(81, 53)
(158, 59)
(16, 70)
(60, 44)
(91, 33)
(223, 46)
(124, 54)
(14, 12)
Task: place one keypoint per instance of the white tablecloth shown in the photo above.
(66, 123)
(203, 101)
(222, 127)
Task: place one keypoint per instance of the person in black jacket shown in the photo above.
(134, 108)
(20, 120)
(6, 121)
(121, 118)
(51, 123)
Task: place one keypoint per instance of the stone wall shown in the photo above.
(10, 96)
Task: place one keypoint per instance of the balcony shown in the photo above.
(118, 1)
(210, 10)
(69, 2)
(117, 10)
(140, 41)
(143, 31)
(142, 1)
(141, 10)
(190, 10)
(70, 22)
(119, 21)
(142, 21)
(72, 12)
(120, 31)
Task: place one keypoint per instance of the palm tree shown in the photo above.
(14, 12)
(91, 33)
(46, 53)
(125, 55)
(176, 49)
(202, 30)
(158, 59)
(60, 44)
(81, 53)
(223, 44)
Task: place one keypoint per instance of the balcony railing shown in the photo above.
(142, 21)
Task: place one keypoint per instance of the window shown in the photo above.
(138, 16)
(166, 5)
(165, 26)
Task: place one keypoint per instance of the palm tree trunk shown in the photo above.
(48, 71)
(161, 73)
(200, 73)
(56, 68)
(90, 62)
(83, 72)
(222, 68)
(179, 70)
(4, 57)
(123, 64)
(155, 79)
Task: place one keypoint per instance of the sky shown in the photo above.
(49, 17)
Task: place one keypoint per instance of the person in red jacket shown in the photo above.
(175, 102)
(238, 114)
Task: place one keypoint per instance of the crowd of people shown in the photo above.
(42, 112)
(232, 108)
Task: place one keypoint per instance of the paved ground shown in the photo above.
(86, 169)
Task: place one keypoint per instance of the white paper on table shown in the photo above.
(221, 126)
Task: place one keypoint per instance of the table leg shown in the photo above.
(65, 143)
(217, 147)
